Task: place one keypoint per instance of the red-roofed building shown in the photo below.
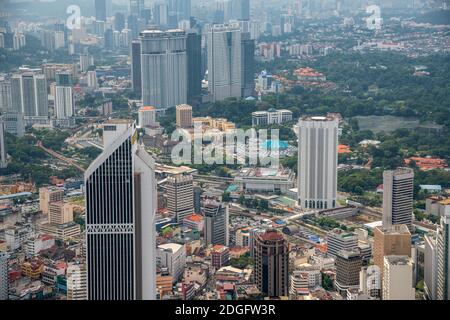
(309, 75)
(237, 252)
(343, 149)
(427, 163)
(194, 221)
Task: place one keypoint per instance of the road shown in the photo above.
(60, 157)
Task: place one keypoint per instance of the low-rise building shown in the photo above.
(272, 116)
(220, 255)
(173, 257)
(265, 179)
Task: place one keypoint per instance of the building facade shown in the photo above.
(184, 116)
(164, 68)
(317, 164)
(29, 94)
(398, 189)
(271, 264)
(443, 258)
(216, 220)
(224, 61)
(348, 266)
(120, 213)
(64, 105)
(397, 278)
(394, 240)
(180, 196)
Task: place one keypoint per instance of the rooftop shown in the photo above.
(271, 235)
(174, 247)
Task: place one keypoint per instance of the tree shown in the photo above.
(226, 197)
(327, 282)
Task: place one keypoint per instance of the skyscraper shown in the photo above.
(136, 7)
(443, 258)
(64, 106)
(3, 155)
(394, 240)
(5, 95)
(100, 10)
(120, 213)
(216, 220)
(271, 263)
(109, 41)
(240, 10)
(194, 67)
(161, 14)
(29, 94)
(4, 281)
(119, 21)
(398, 188)
(180, 196)
(14, 123)
(224, 61)
(317, 164)
(136, 67)
(248, 65)
(178, 10)
(164, 68)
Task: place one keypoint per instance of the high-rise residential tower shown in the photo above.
(120, 212)
(164, 68)
(224, 61)
(398, 189)
(180, 196)
(64, 106)
(271, 263)
(317, 162)
(29, 94)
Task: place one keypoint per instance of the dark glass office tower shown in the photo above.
(109, 43)
(248, 65)
(119, 21)
(136, 67)
(194, 62)
(100, 10)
